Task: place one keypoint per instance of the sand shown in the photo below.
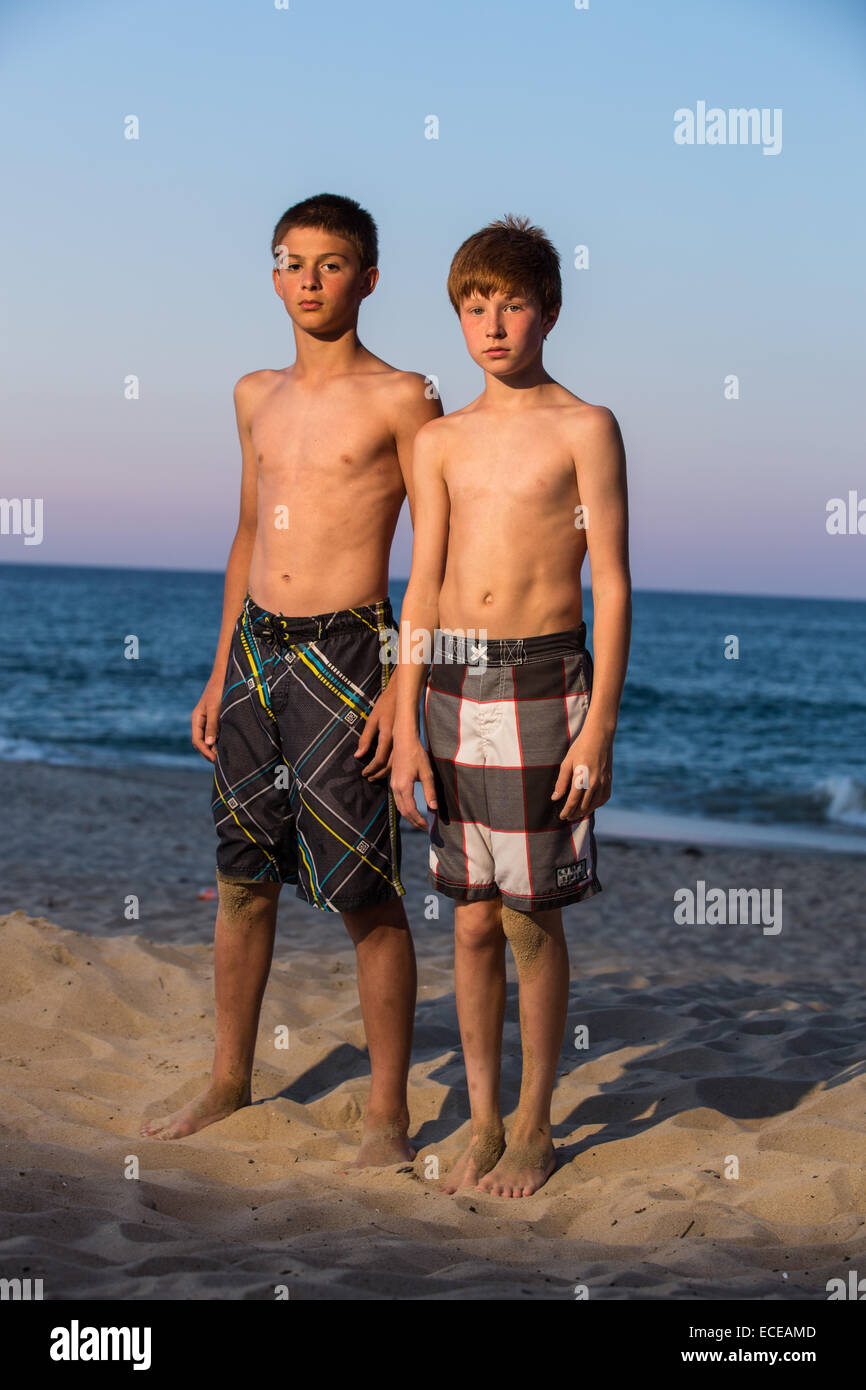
(711, 1135)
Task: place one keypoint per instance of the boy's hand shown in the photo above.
(410, 765)
(380, 724)
(205, 719)
(586, 774)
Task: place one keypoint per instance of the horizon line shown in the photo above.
(585, 588)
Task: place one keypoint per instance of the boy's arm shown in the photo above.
(419, 619)
(415, 407)
(412, 408)
(601, 479)
(205, 716)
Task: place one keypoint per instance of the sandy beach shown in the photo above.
(711, 1134)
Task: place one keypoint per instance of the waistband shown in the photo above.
(278, 628)
(506, 651)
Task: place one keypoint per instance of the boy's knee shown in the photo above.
(377, 921)
(525, 937)
(479, 926)
(239, 902)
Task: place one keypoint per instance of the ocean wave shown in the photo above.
(843, 799)
(82, 754)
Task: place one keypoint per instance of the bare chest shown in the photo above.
(516, 480)
(332, 443)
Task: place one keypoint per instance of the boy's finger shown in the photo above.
(429, 788)
(211, 726)
(407, 807)
(563, 781)
(377, 776)
(202, 748)
(375, 767)
(572, 808)
(384, 748)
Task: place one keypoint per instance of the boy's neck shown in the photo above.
(321, 355)
(519, 389)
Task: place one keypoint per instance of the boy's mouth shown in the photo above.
(309, 304)
(496, 351)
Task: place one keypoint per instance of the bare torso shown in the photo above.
(514, 550)
(330, 489)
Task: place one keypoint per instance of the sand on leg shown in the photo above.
(538, 945)
(387, 986)
(479, 985)
(243, 948)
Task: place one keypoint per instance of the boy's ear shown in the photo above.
(369, 281)
(550, 320)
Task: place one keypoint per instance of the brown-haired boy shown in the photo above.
(510, 493)
(299, 697)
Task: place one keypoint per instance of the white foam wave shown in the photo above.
(844, 800)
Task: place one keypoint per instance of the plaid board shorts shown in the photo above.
(290, 802)
(497, 732)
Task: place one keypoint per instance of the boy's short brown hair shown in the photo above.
(510, 256)
(334, 213)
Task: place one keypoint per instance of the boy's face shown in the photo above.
(318, 277)
(504, 332)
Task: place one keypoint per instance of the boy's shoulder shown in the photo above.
(576, 422)
(436, 434)
(402, 384)
(586, 415)
(253, 384)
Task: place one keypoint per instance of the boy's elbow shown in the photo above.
(245, 531)
(614, 584)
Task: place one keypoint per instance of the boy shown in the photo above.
(509, 494)
(297, 703)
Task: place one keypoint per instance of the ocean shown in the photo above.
(768, 746)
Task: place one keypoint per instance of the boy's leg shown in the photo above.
(479, 984)
(541, 956)
(243, 947)
(327, 678)
(387, 984)
(255, 854)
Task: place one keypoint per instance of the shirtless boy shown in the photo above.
(297, 716)
(510, 494)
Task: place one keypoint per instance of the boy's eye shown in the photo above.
(331, 265)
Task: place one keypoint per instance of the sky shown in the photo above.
(150, 257)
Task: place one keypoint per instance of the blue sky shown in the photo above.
(151, 256)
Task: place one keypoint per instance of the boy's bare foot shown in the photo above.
(524, 1167)
(485, 1149)
(214, 1103)
(384, 1143)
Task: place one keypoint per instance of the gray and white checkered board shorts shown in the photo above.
(497, 732)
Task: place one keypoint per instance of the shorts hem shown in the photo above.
(253, 880)
(519, 903)
(377, 899)
(473, 893)
(548, 900)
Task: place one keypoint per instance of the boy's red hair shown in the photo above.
(510, 256)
